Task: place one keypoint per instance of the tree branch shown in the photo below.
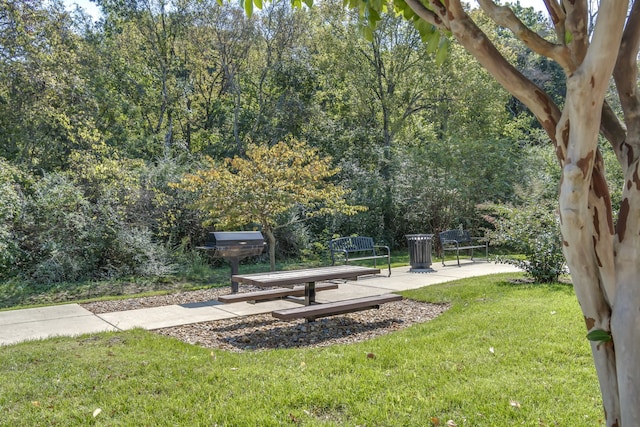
(625, 75)
(429, 16)
(471, 37)
(504, 16)
(577, 24)
(558, 17)
(614, 132)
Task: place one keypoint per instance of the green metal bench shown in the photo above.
(357, 248)
(459, 240)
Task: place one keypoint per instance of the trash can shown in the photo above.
(419, 251)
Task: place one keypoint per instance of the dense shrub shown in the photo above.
(441, 182)
(59, 232)
(531, 229)
(107, 218)
(12, 182)
(139, 255)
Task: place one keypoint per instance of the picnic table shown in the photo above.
(309, 277)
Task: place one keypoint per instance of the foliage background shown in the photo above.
(98, 119)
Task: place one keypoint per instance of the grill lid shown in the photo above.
(235, 238)
(235, 244)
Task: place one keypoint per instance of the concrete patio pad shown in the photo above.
(47, 322)
(403, 279)
(164, 317)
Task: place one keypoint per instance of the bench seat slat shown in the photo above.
(367, 257)
(311, 312)
(297, 291)
(468, 247)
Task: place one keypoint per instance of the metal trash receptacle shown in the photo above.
(419, 251)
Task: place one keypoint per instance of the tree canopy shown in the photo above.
(146, 93)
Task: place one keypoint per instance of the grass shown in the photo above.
(502, 355)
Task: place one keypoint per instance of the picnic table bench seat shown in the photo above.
(312, 312)
(458, 240)
(297, 291)
(357, 248)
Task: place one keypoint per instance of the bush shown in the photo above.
(533, 230)
(140, 256)
(11, 208)
(66, 234)
(59, 232)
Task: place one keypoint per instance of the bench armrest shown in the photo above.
(382, 247)
(450, 242)
(344, 252)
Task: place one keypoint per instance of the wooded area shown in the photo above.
(99, 119)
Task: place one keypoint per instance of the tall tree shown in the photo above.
(149, 36)
(369, 85)
(222, 41)
(603, 252)
(281, 82)
(46, 109)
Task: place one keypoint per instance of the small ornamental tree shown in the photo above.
(269, 181)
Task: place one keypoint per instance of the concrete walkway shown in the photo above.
(72, 319)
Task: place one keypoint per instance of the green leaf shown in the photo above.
(599, 335)
(309, 3)
(367, 33)
(258, 3)
(408, 13)
(433, 41)
(374, 16)
(443, 51)
(248, 7)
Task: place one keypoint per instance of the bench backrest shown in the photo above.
(351, 244)
(458, 235)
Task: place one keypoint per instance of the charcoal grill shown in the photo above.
(234, 246)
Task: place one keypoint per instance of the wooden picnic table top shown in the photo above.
(307, 275)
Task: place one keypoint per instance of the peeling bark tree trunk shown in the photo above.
(603, 259)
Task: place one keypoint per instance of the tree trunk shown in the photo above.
(271, 240)
(603, 261)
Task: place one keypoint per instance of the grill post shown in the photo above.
(235, 264)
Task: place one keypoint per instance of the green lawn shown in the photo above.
(503, 355)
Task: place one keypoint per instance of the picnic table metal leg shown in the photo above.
(310, 293)
(235, 265)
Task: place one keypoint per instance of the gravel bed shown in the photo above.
(264, 332)
(184, 297)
